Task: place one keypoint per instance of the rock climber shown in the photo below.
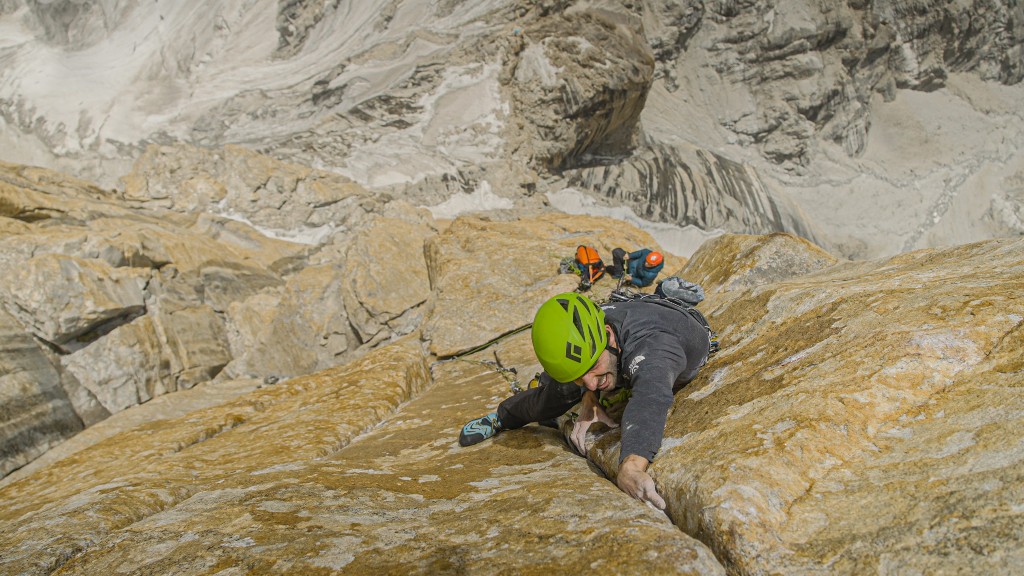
(641, 266)
(646, 348)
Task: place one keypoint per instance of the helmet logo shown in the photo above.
(573, 352)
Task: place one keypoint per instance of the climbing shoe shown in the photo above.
(478, 430)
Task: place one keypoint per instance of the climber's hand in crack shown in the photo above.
(634, 480)
(590, 412)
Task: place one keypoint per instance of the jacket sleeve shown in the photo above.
(643, 421)
(635, 264)
(639, 254)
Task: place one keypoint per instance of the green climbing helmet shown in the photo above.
(568, 336)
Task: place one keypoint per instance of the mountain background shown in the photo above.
(871, 128)
(259, 262)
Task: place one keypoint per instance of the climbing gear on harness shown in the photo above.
(653, 259)
(618, 395)
(568, 336)
(480, 429)
(511, 375)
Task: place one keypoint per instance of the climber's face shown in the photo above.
(602, 376)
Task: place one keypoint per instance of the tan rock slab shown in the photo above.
(489, 277)
(62, 297)
(166, 407)
(739, 261)
(292, 330)
(386, 277)
(861, 419)
(234, 180)
(401, 499)
(124, 368)
(53, 515)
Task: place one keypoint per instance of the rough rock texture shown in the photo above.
(272, 482)
(861, 417)
(61, 298)
(891, 126)
(385, 278)
(691, 186)
(739, 261)
(887, 123)
(578, 81)
(138, 302)
(241, 183)
(492, 276)
(290, 330)
(159, 408)
(35, 413)
(128, 303)
(809, 68)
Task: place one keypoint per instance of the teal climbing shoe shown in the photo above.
(478, 430)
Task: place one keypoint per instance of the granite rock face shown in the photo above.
(238, 182)
(737, 261)
(36, 413)
(868, 127)
(276, 482)
(860, 417)
(891, 125)
(809, 68)
(129, 298)
(578, 81)
(492, 276)
(386, 283)
(694, 187)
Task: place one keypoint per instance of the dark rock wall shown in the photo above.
(691, 186)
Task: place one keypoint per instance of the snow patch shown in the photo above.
(481, 199)
(679, 240)
(313, 236)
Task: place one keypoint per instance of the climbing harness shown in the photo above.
(533, 383)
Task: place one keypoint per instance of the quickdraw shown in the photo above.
(511, 375)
